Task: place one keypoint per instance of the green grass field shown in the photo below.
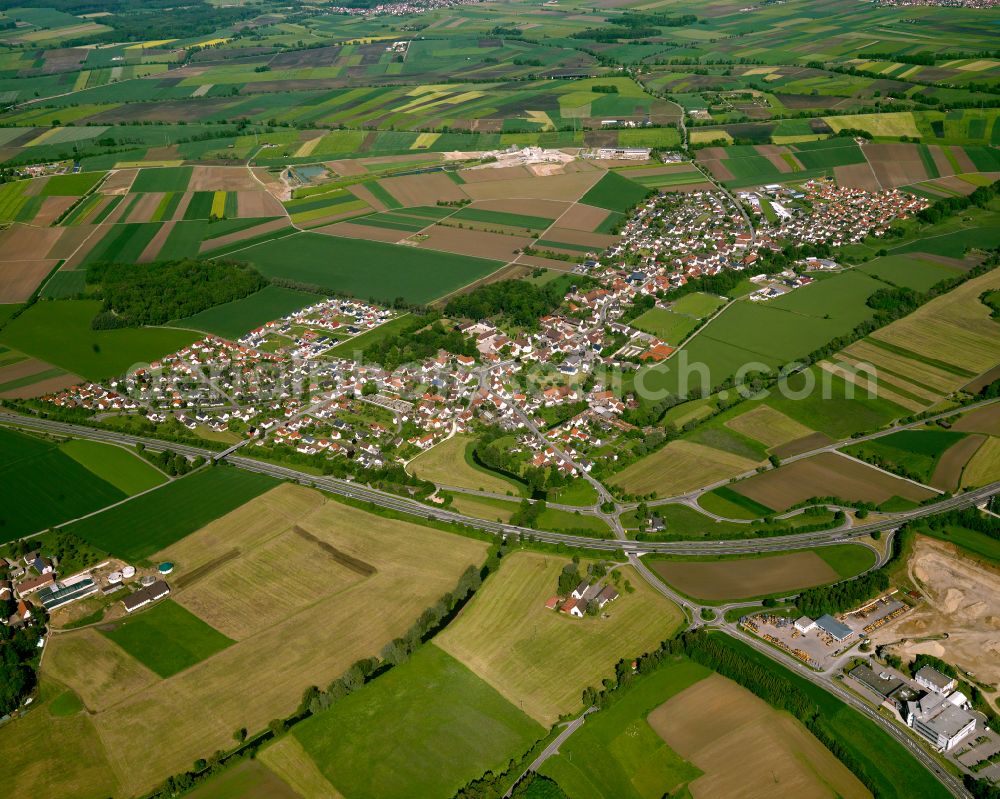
(909, 271)
(233, 319)
(44, 486)
(423, 729)
(367, 269)
(667, 325)
(59, 332)
(147, 524)
(125, 470)
(162, 179)
(911, 453)
(617, 755)
(503, 218)
(615, 193)
(167, 638)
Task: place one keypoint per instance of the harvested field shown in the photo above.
(415, 564)
(747, 748)
(555, 187)
(544, 672)
(826, 475)
(254, 204)
(895, 164)
(23, 243)
(984, 468)
(955, 327)
(910, 369)
(287, 759)
(977, 385)
(222, 178)
(678, 467)
(101, 675)
(119, 181)
(583, 217)
(768, 426)
(981, 420)
(745, 577)
(445, 463)
(426, 189)
(963, 602)
(948, 472)
(477, 243)
(858, 176)
(19, 279)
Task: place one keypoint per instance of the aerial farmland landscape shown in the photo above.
(472, 399)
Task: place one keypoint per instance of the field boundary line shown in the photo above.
(886, 471)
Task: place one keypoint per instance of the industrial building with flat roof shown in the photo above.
(940, 719)
(836, 629)
(58, 594)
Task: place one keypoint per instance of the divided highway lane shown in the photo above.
(392, 501)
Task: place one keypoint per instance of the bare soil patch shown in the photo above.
(359, 231)
(156, 243)
(477, 243)
(963, 602)
(747, 748)
(826, 475)
(43, 387)
(981, 420)
(98, 232)
(222, 178)
(555, 187)
(52, 208)
(243, 235)
(941, 161)
(347, 167)
(599, 241)
(964, 162)
(19, 279)
(16, 371)
(948, 471)
(583, 217)
(428, 189)
(253, 204)
(955, 184)
(550, 209)
(364, 193)
(490, 174)
(23, 243)
(145, 207)
(719, 170)
(746, 577)
(895, 164)
(856, 176)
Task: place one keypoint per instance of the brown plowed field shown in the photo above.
(69, 240)
(413, 190)
(895, 164)
(253, 204)
(222, 178)
(144, 209)
(746, 577)
(583, 217)
(977, 385)
(353, 231)
(52, 208)
(949, 468)
(746, 748)
(826, 475)
(50, 386)
(719, 170)
(556, 187)
(804, 444)
(19, 279)
(490, 174)
(856, 176)
(941, 161)
(955, 184)
(243, 235)
(546, 263)
(363, 193)
(981, 420)
(348, 167)
(599, 240)
(550, 209)
(477, 243)
(22, 243)
(156, 243)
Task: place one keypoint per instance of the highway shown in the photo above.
(395, 502)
